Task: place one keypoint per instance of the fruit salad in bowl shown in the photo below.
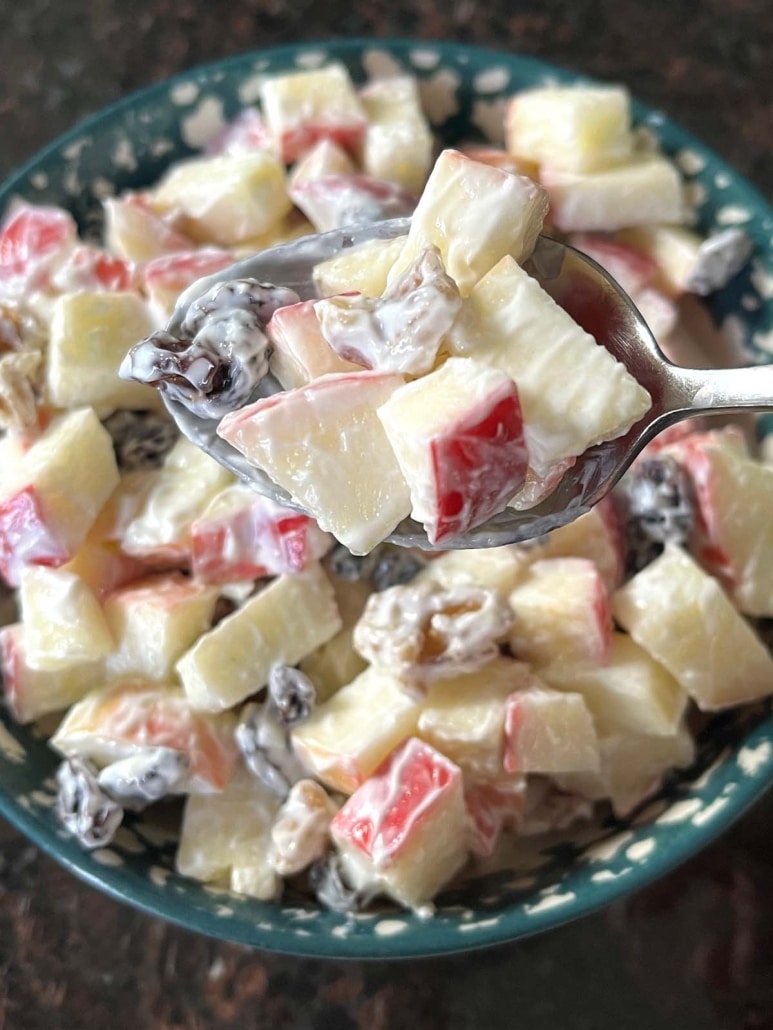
(268, 724)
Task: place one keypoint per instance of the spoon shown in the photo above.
(586, 292)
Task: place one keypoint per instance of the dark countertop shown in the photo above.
(693, 952)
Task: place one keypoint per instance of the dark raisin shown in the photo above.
(291, 693)
(395, 566)
(83, 808)
(141, 439)
(658, 508)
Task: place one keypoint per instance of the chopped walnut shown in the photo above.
(300, 834)
(424, 631)
(19, 385)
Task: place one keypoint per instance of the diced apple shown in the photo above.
(325, 444)
(243, 535)
(304, 107)
(225, 200)
(31, 693)
(596, 535)
(93, 269)
(63, 621)
(50, 500)
(91, 334)
(178, 494)
(631, 693)
(500, 568)
(404, 833)
(562, 612)
(244, 134)
(464, 716)
(575, 128)
(285, 622)
(34, 239)
(643, 191)
(135, 232)
(573, 393)
(166, 277)
(398, 141)
(474, 214)
(219, 845)
(325, 158)
(682, 617)
(154, 621)
(336, 663)
(498, 158)
(340, 200)
(348, 736)
(549, 732)
(126, 718)
(364, 268)
(674, 249)
(493, 806)
(301, 353)
(458, 437)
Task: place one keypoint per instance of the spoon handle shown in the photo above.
(725, 389)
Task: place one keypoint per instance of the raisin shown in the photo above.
(83, 808)
(141, 439)
(291, 694)
(659, 509)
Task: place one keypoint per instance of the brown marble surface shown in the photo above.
(694, 952)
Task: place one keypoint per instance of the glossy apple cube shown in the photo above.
(631, 693)
(575, 128)
(645, 190)
(64, 624)
(562, 613)
(404, 831)
(32, 693)
(50, 500)
(549, 732)
(682, 617)
(225, 200)
(218, 845)
(244, 134)
(336, 663)
(458, 437)
(464, 716)
(325, 158)
(126, 718)
(135, 232)
(91, 334)
(165, 277)
(154, 621)
(338, 200)
(243, 535)
(598, 536)
(348, 736)
(361, 269)
(325, 444)
(93, 269)
(304, 107)
(34, 239)
(301, 353)
(500, 568)
(474, 214)
(575, 395)
(283, 623)
(398, 143)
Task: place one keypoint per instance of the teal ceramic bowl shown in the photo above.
(129, 145)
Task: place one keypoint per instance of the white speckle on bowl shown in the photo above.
(605, 850)
(343, 930)
(39, 180)
(733, 214)
(102, 187)
(605, 876)
(71, 183)
(690, 162)
(217, 969)
(24, 802)
(311, 58)
(159, 147)
(680, 812)
(640, 850)
(389, 927)
(424, 60)
(439, 96)
(42, 798)
(762, 278)
(482, 924)
(752, 759)
(10, 746)
(302, 915)
(223, 910)
(158, 875)
(487, 115)
(73, 151)
(764, 340)
(709, 811)
(549, 902)
(127, 841)
(492, 80)
(656, 118)
(751, 302)
(380, 65)
(203, 123)
(249, 90)
(184, 93)
(695, 194)
(107, 857)
(722, 180)
(123, 155)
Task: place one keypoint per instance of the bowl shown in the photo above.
(128, 146)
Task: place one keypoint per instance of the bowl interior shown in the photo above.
(463, 88)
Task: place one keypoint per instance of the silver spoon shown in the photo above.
(588, 293)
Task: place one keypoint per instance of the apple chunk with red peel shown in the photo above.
(596, 535)
(549, 732)
(301, 353)
(131, 716)
(50, 500)
(573, 393)
(682, 617)
(325, 444)
(403, 833)
(474, 214)
(458, 437)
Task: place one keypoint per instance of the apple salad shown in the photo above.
(331, 710)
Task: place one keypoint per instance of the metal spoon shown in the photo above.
(594, 299)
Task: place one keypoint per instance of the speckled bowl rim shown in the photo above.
(747, 769)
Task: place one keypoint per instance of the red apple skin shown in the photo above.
(294, 143)
(176, 271)
(31, 240)
(383, 814)
(25, 536)
(246, 134)
(478, 464)
(335, 195)
(492, 808)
